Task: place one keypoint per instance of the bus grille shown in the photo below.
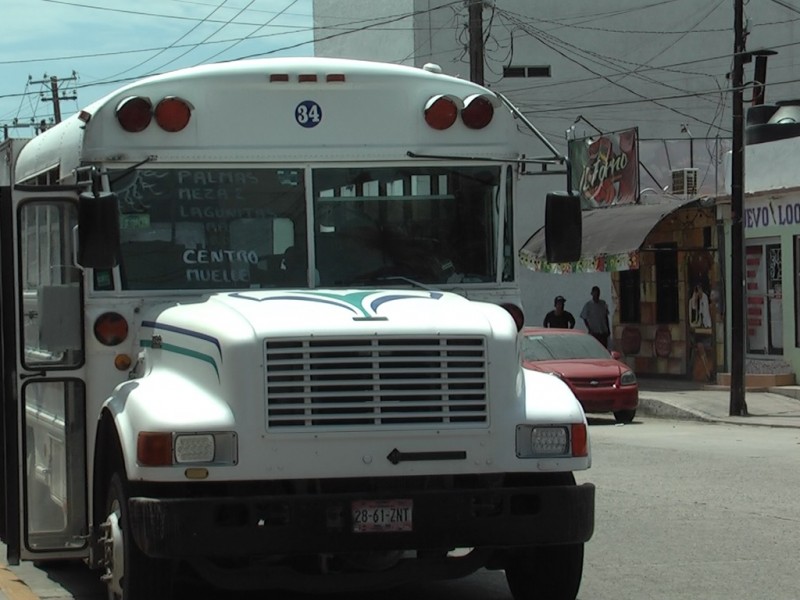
(376, 383)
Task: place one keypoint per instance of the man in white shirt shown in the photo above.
(595, 317)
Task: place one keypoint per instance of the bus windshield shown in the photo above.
(247, 228)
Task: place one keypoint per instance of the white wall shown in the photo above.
(374, 30)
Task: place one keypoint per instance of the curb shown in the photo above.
(663, 410)
(659, 409)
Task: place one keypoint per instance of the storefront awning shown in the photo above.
(612, 238)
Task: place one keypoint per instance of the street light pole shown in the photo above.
(738, 406)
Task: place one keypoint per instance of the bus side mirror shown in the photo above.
(563, 230)
(98, 230)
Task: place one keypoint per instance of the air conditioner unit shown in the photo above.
(684, 182)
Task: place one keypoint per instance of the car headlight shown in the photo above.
(628, 378)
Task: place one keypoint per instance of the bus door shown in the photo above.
(50, 386)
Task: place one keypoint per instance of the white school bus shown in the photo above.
(258, 328)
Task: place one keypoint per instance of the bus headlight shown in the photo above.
(163, 449)
(195, 448)
(549, 441)
(541, 441)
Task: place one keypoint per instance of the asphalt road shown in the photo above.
(685, 510)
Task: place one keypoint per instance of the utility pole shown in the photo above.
(738, 406)
(55, 98)
(15, 124)
(476, 41)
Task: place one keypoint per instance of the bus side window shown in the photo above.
(50, 285)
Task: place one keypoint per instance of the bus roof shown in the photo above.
(252, 111)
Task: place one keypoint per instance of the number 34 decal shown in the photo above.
(308, 113)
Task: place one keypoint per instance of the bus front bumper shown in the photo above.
(300, 524)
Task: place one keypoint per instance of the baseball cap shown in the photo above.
(559, 299)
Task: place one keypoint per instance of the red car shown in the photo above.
(599, 380)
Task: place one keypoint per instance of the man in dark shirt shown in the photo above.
(558, 317)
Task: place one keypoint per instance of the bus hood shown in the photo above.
(268, 313)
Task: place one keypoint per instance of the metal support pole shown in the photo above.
(738, 406)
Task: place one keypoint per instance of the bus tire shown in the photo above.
(129, 573)
(545, 572)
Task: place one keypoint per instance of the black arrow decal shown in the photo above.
(396, 457)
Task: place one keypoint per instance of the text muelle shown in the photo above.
(233, 265)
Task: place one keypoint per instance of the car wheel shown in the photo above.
(624, 416)
(129, 573)
(545, 572)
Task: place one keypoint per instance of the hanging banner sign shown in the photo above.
(605, 168)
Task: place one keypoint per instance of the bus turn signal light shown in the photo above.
(111, 329)
(154, 449)
(580, 440)
(122, 362)
(516, 314)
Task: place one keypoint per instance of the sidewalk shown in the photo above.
(678, 399)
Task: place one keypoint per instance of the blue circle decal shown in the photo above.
(308, 113)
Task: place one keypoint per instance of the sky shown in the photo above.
(92, 47)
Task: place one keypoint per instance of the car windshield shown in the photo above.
(561, 346)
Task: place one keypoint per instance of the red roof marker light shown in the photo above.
(173, 113)
(441, 112)
(478, 112)
(134, 113)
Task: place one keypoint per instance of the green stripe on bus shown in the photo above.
(185, 352)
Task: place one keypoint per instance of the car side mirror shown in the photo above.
(563, 227)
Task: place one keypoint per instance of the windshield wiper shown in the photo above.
(405, 279)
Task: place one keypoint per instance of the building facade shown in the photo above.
(771, 220)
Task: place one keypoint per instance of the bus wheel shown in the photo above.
(545, 572)
(129, 573)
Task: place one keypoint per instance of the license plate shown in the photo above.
(371, 516)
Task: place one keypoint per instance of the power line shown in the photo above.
(137, 12)
(204, 40)
(172, 45)
(541, 38)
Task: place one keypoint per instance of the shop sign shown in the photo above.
(605, 169)
(771, 212)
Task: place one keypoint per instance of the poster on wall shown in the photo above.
(702, 311)
(605, 168)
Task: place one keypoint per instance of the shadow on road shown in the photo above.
(609, 421)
